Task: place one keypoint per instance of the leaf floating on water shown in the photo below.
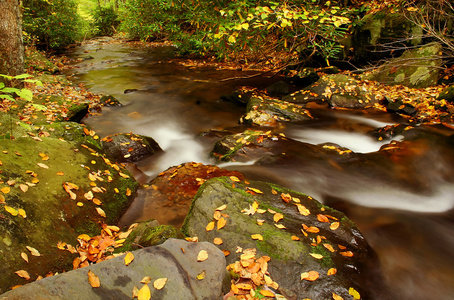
(129, 257)
(221, 223)
(202, 256)
(354, 293)
(257, 237)
(22, 273)
(144, 293)
(33, 251)
(93, 279)
(159, 283)
(310, 276)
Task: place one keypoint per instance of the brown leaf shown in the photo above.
(22, 273)
(24, 256)
(93, 279)
(33, 251)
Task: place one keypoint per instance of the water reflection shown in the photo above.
(401, 200)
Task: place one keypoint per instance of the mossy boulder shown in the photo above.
(296, 231)
(37, 61)
(36, 168)
(416, 68)
(447, 94)
(263, 110)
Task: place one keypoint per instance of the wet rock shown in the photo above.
(129, 91)
(240, 96)
(263, 110)
(307, 236)
(279, 88)
(109, 100)
(305, 77)
(169, 195)
(41, 163)
(118, 280)
(129, 147)
(447, 94)
(149, 233)
(400, 107)
(416, 68)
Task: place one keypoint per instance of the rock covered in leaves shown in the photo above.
(55, 184)
(313, 251)
(176, 269)
(129, 147)
(168, 196)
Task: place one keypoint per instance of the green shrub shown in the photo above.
(105, 20)
(51, 24)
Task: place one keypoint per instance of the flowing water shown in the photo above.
(403, 203)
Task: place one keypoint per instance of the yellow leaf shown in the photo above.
(316, 255)
(267, 293)
(22, 213)
(303, 210)
(202, 256)
(412, 8)
(128, 192)
(277, 217)
(257, 237)
(234, 179)
(129, 257)
(146, 280)
(337, 297)
(280, 226)
(2, 199)
(221, 223)
(11, 210)
(210, 226)
(144, 293)
(232, 39)
(245, 26)
(84, 237)
(217, 215)
(159, 283)
(334, 225)
(310, 276)
(201, 276)
(101, 212)
(24, 256)
(329, 247)
(93, 279)
(217, 241)
(44, 156)
(257, 191)
(222, 207)
(23, 274)
(354, 293)
(123, 175)
(43, 166)
(5, 190)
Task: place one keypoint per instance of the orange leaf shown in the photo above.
(210, 226)
(286, 197)
(24, 256)
(310, 276)
(23, 274)
(334, 225)
(303, 210)
(257, 237)
(5, 190)
(217, 241)
(313, 229)
(295, 238)
(221, 223)
(332, 271)
(234, 179)
(346, 253)
(93, 279)
(322, 218)
(129, 257)
(2, 199)
(267, 293)
(329, 247)
(337, 297)
(277, 217)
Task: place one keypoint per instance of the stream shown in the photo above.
(403, 203)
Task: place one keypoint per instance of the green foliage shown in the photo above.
(105, 20)
(7, 93)
(255, 29)
(51, 24)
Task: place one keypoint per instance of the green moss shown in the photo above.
(326, 261)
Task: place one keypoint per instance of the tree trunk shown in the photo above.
(11, 43)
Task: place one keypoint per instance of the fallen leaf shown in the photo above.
(303, 210)
(267, 293)
(354, 293)
(101, 212)
(2, 199)
(93, 279)
(123, 175)
(316, 255)
(22, 273)
(337, 297)
(129, 257)
(286, 197)
(334, 225)
(257, 237)
(88, 195)
(11, 210)
(210, 226)
(310, 276)
(146, 280)
(144, 293)
(23, 187)
(346, 253)
(331, 271)
(234, 179)
(22, 213)
(221, 223)
(312, 229)
(217, 241)
(280, 226)
(257, 191)
(295, 238)
(322, 218)
(5, 190)
(43, 165)
(159, 283)
(44, 156)
(24, 256)
(329, 247)
(277, 217)
(201, 275)
(222, 207)
(202, 256)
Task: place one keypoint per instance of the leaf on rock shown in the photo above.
(210, 226)
(222, 207)
(257, 191)
(159, 283)
(316, 255)
(201, 275)
(322, 218)
(303, 210)
(11, 210)
(354, 293)
(144, 293)
(267, 293)
(44, 166)
(129, 257)
(22, 273)
(93, 279)
(346, 253)
(295, 238)
(310, 276)
(286, 197)
(257, 237)
(146, 280)
(334, 225)
(202, 256)
(331, 271)
(101, 212)
(24, 256)
(221, 223)
(277, 217)
(217, 241)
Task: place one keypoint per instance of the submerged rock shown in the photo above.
(129, 147)
(315, 251)
(175, 260)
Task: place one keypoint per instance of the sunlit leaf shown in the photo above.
(101, 212)
(331, 271)
(144, 293)
(159, 283)
(201, 275)
(346, 253)
(329, 247)
(277, 217)
(202, 256)
(337, 297)
(221, 223)
(267, 293)
(310, 276)
(93, 279)
(123, 175)
(44, 166)
(11, 210)
(316, 255)
(286, 197)
(23, 187)
(22, 213)
(295, 238)
(280, 226)
(322, 218)
(24, 256)
(210, 226)
(234, 179)
(354, 293)
(303, 210)
(146, 280)
(22, 273)
(129, 257)
(217, 241)
(334, 225)
(257, 191)
(2, 199)
(257, 236)
(222, 207)
(5, 190)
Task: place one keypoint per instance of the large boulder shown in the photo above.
(176, 260)
(416, 68)
(129, 147)
(315, 251)
(56, 184)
